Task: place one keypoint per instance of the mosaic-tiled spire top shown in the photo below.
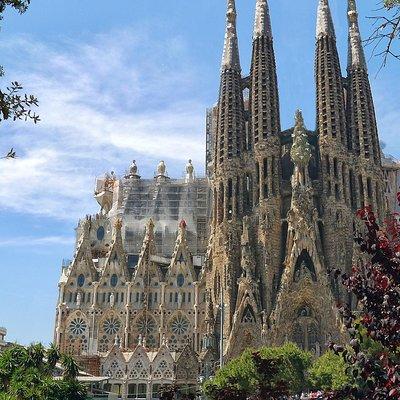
(356, 52)
(262, 23)
(230, 56)
(325, 25)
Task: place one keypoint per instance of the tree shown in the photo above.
(386, 31)
(13, 104)
(328, 372)
(27, 373)
(373, 357)
(267, 373)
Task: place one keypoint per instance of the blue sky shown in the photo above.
(126, 82)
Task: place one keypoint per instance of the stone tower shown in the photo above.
(284, 202)
(231, 179)
(362, 127)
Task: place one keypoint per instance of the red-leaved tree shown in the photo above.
(373, 354)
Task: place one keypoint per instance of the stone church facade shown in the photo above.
(169, 265)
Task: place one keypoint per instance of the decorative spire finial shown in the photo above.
(325, 25)
(301, 149)
(150, 228)
(230, 57)
(356, 56)
(262, 22)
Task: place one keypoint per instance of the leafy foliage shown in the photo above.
(13, 104)
(267, 373)
(26, 373)
(329, 373)
(16, 106)
(373, 356)
(20, 5)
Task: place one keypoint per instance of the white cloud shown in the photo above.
(102, 104)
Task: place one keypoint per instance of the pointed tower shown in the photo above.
(362, 127)
(247, 319)
(265, 129)
(232, 183)
(335, 174)
(305, 311)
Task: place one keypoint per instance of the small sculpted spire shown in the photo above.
(325, 25)
(230, 57)
(356, 52)
(262, 23)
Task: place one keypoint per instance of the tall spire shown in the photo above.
(230, 137)
(363, 133)
(324, 20)
(262, 22)
(264, 96)
(356, 51)
(331, 118)
(230, 56)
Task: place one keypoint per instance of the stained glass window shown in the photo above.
(100, 233)
(78, 326)
(180, 325)
(180, 280)
(81, 280)
(114, 280)
(111, 326)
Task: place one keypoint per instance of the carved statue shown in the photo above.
(78, 299)
(161, 168)
(133, 169)
(189, 171)
(112, 300)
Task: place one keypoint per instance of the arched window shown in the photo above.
(248, 316)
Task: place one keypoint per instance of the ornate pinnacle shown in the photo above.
(356, 57)
(325, 25)
(301, 149)
(230, 57)
(150, 228)
(262, 23)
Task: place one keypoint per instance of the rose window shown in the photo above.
(180, 325)
(111, 326)
(78, 326)
(146, 325)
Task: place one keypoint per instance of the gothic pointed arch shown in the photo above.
(163, 364)
(147, 270)
(114, 364)
(139, 365)
(182, 259)
(187, 365)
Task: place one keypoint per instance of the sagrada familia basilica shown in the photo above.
(174, 276)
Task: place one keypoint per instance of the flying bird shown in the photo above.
(10, 155)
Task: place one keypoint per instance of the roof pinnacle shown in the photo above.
(262, 22)
(356, 52)
(230, 57)
(325, 25)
